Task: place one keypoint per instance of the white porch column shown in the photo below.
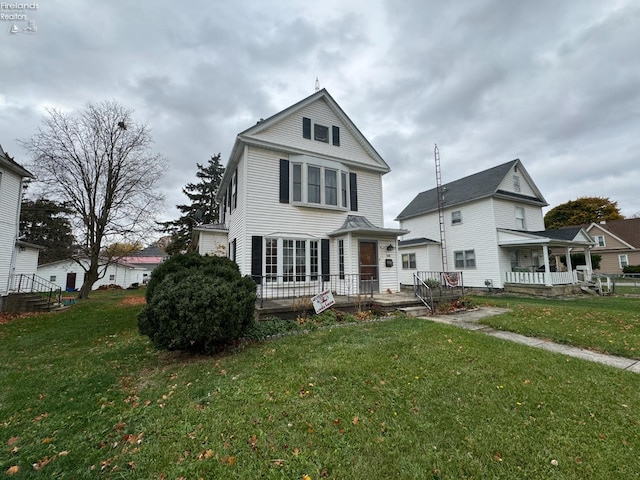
(547, 268)
(587, 259)
(567, 254)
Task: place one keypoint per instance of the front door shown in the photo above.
(71, 282)
(368, 266)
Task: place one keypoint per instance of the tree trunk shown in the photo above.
(90, 277)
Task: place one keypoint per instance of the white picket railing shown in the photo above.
(540, 278)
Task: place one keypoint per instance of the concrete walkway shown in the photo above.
(469, 321)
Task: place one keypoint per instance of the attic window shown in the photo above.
(321, 133)
(516, 183)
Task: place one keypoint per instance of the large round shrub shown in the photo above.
(197, 304)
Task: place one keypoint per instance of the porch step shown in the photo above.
(420, 311)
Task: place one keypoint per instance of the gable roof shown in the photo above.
(474, 187)
(9, 163)
(247, 137)
(627, 230)
(567, 237)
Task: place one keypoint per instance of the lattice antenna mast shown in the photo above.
(440, 193)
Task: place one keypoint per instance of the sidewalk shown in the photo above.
(469, 321)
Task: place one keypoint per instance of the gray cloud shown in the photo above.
(553, 83)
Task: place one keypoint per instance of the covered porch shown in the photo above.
(530, 255)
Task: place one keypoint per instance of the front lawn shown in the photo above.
(604, 324)
(84, 396)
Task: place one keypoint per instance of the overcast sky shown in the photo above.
(554, 83)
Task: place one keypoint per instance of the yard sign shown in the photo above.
(322, 301)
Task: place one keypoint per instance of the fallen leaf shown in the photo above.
(355, 420)
(253, 441)
(228, 460)
(13, 470)
(296, 451)
(12, 440)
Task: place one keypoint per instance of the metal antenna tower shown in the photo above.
(440, 193)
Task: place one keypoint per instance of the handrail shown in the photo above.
(24, 283)
(275, 287)
(420, 289)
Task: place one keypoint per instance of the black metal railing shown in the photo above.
(423, 292)
(277, 287)
(32, 283)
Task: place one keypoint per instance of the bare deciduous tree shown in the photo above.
(100, 164)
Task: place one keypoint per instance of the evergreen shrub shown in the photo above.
(197, 303)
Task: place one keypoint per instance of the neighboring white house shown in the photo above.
(302, 202)
(146, 260)
(69, 275)
(494, 231)
(16, 257)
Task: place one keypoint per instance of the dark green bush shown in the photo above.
(631, 269)
(197, 304)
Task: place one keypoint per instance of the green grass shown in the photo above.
(87, 397)
(604, 324)
(627, 290)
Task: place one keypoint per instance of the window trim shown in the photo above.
(516, 184)
(342, 193)
(292, 269)
(409, 261)
(598, 238)
(626, 260)
(521, 219)
(456, 219)
(320, 133)
(468, 259)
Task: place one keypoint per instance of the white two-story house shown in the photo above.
(302, 204)
(493, 231)
(16, 257)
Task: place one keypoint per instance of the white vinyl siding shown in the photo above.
(504, 215)
(10, 198)
(289, 132)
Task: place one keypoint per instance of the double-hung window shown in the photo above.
(520, 223)
(297, 182)
(623, 260)
(456, 217)
(516, 183)
(313, 184)
(465, 258)
(600, 240)
(408, 261)
(330, 187)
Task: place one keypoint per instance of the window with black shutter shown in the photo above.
(284, 181)
(306, 128)
(353, 191)
(335, 133)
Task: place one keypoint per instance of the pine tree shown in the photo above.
(202, 209)
(45, 222)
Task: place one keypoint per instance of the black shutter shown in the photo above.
(306, 127)
(235, 184)
(324, 259)
(284, 181)
(234, 249)
(336, 135)
(229, 194)
(353, 191)
(256, 258)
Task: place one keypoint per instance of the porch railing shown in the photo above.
(276, 287)
(542, 278)
(444, 280)
(42, 287)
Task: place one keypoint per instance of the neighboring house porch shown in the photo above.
(530, 257)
